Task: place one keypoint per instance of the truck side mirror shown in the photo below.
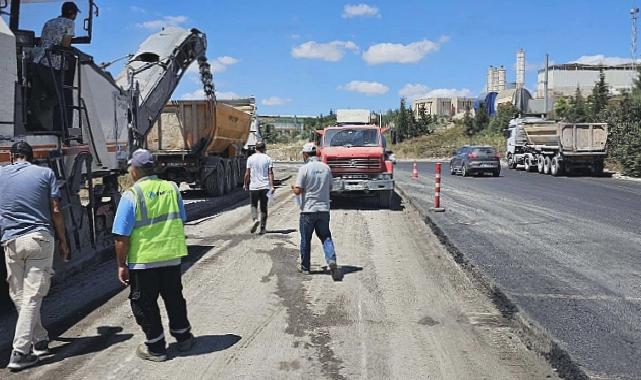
(453, 153)
(506, 133)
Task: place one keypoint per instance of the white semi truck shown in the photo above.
(551, 147)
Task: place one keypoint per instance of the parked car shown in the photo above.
(475, 160)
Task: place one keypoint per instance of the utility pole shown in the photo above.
(634, 15)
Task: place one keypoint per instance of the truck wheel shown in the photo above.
(511, 162)
(555, 168)
(385, 199)
(229, 177)
(464, 171)
(546, 165)
(236, 167)
(540, 164)
(220, 179)
(210, 185)
(528, 164)
(597, 169)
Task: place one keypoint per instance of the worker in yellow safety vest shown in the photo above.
(150, 242)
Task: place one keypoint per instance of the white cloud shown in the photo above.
(413, 91)
(364, 87)
(137, 9)
(601, 59)
(200, 94)
(275, 101)
(218, 65)
(331, 51)
(417, 90)
(356, 10)
(399, 53)
(164, 22)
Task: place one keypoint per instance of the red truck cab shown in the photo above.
(359, 160)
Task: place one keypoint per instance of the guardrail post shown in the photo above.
(437, 190)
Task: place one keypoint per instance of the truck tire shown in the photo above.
(210, 185)
(546, 165)
(555, 167)
(597, 169)
(511, 162)
(236, 169)
(540, 164)
(220, 179)
(527, 163)
(229, 177)
(385, 199)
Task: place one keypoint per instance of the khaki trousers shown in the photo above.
(29, 261)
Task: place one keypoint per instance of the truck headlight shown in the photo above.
(384, 176)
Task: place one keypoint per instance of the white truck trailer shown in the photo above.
(551, 147)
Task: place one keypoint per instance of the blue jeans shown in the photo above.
(315, 222)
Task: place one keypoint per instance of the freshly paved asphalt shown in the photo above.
(565, 250)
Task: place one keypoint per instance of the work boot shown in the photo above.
(303, 270)
(20, 361)
(41, 348)
(337, 275)
(185, 345)
(255, 220)
(143, 352)
(263, 223)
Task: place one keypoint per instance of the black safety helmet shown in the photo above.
(69, 8)
(22, 149)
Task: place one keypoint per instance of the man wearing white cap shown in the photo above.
(313, 185)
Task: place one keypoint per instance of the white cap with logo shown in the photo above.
(310, 147)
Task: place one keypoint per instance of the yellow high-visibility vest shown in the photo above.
(158, 234)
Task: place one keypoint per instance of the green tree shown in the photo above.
(425, 121)
(562, 108)
(600, 96)
(402, 125)
(481, 119)
(578, 112)
(504, 114)
(468, 124)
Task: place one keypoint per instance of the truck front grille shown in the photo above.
(354, 163)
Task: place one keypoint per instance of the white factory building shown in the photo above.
(564, 79)
(443, 107)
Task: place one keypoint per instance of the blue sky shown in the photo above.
(304, 57)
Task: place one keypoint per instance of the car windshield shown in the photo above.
(351, 137)
(484, 152)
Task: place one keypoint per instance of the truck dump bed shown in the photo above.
(202, 126)
(569, 138)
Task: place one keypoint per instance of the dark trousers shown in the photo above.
(146, 285)
(256, 196)
(318, 222)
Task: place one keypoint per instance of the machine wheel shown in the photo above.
(220, 179)
(511, 162)
(546, 165)
(597, 169)
(555, 167)
(527, 163)
(229, 177)
(540, 164)
(464, 171)
(385, 199)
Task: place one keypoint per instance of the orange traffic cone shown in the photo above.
(414, 171)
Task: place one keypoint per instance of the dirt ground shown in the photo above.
(404, 310)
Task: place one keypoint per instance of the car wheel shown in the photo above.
(496, 173)
(452, 170)
(464, 171)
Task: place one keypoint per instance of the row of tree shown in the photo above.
(408, 125)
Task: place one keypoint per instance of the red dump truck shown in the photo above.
(204, 142)
(355, 150)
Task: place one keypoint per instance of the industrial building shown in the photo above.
(443, 107)
(564, 79)
(495, 79)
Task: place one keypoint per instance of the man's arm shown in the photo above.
(271, 179)
(246, 179)
(122, 250)
(298, 188)
(69, 34)
(59, 226)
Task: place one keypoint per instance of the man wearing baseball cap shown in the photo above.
(150, 242)
(30, 213)
(313, 185)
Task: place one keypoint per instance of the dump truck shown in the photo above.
(204, 142)
(356, 152)
(552, 147)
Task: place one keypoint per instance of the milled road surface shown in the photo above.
(566, 250)
(404, 310)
